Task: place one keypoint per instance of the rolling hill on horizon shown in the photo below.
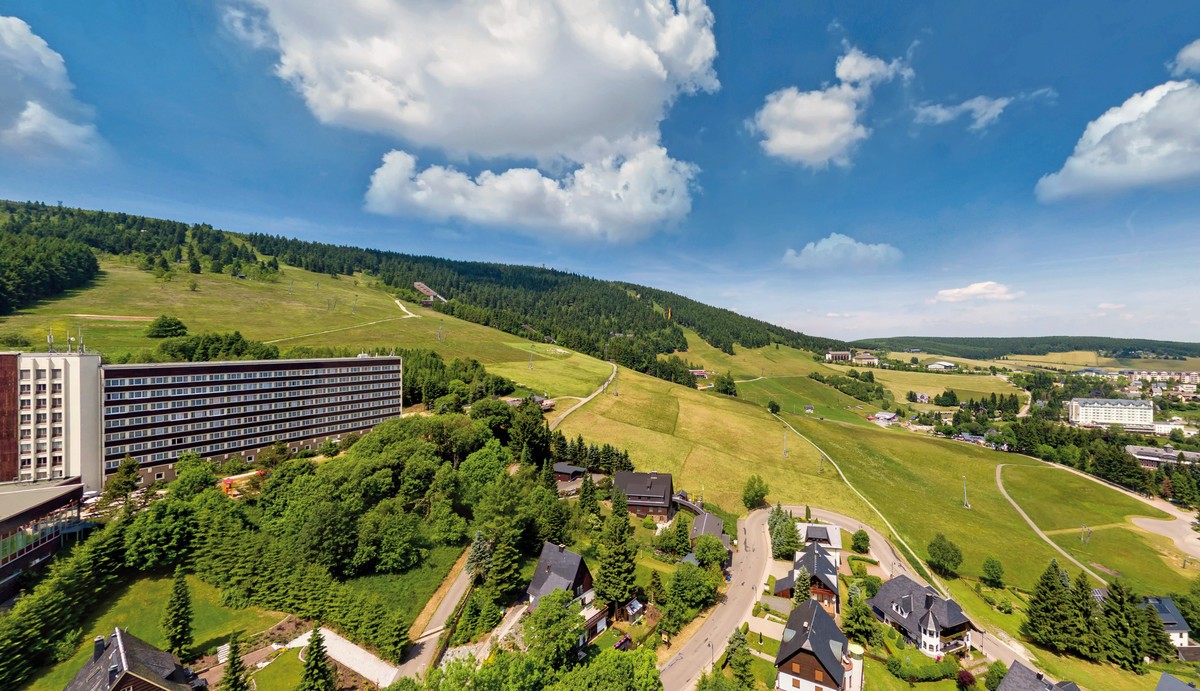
(990, 348)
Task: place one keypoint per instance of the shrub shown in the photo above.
(166, 327)
(860, 542)
(965, 680)
(1005, 606)
(923, 670)
(649, 523)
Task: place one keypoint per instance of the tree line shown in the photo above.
(981, 348)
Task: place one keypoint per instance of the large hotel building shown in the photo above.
(69, 415)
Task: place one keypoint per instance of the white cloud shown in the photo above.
(982, 110)
(1110, 306)
(841, 251)
(613, 199)
(985, 290)
(39, 118)
(821, 127)
(577, 89)
(1188, 60)
(248, 25)
(1152, 138)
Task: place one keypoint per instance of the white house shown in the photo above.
(828, 536)
(941, 366)
(935, 625)
(1171, 618)
(1102, 412)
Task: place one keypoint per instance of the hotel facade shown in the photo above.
(68, 415)
(1135, 415)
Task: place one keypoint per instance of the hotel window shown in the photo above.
(25, 388)
(57, 388)
(25, 375)
(41, 388)
(57, 373)
(56, 417)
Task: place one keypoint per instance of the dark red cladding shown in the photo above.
(9, 416)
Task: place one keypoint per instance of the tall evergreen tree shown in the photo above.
(177, 618)
(236, 677)
(548, 479)
(802, 590)
(319, 673)
(479, 559)
(1085, 627)
(1048, 609)
(504, 573)
(1127, 628)
(614, 579)
(588, 504)
(739, 659)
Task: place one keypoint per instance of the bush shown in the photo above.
(965, 680)
(649, 523)
(166, 327)
(871, 585)
(1005, 606)
(860, 542)
(925, 670)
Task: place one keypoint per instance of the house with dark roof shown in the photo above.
(559, 568)
(823, 578)
(829, 537)
(934, 625)
(1021, 678)
(814, 653)
(1171, 618)
(648, 494)
(706, 523)
(565, 472)
(123, 661)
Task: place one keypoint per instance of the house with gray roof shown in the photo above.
(814, 653)
(823, 578)
(1172, 619)
(1021, 678)
(648, 494)
(559, 568)
(829, 536)
(935, 625)
(124, 661)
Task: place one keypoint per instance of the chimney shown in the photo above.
(113, 670)
(97, 648)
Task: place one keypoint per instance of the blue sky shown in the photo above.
(953, 169)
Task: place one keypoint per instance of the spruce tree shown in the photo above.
(588, 505)
(319, 673)
(236, 677)
(739, 659)
(655, 590)
(614, 579)
(802, 590)
(504, 573)
(548, 479)
(1047, 609)
(1127, 628)
(479, 560)
(177, 618)
(1085, 628)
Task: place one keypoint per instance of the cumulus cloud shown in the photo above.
(842, 251)
(1188, 60)
(1152, 138)
(819, 128)
(578, 90)
(249, 25)
(1110, 306)
(984, 290)
(39, 118)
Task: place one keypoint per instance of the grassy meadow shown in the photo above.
(138, 606)
(748, 363)
(793, 393)
(282, 674)
(710, 443)
(967, 386)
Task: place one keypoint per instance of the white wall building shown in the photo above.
(1103, 412)
(57, 421)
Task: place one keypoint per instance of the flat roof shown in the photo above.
(213, 363)
(1119, 402)
(17, 498)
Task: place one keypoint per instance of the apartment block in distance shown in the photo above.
(155, 412)
(50, 417)
(1134, 415)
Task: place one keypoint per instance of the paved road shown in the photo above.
(889, 559)
(584, 402)
(1046, 538)
(420, 654)
(749, 572)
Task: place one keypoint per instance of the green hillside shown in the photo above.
(300, 309)
(992, 348)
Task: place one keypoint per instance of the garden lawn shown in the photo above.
(877, 678)
(408, 592)
(711, 444)
(1057, 499)
(138, 607)
(283, 674)
(1150, 563)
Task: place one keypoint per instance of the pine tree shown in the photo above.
(1047, 609)
(1127, 628)
(504, 573)
(548, 479)
(479, 560)
(858, 623)
(655, 590)
(236, 677)
(739, 659)
(319, 673)
(802, 590)
(177, 618)
(1085, 628)
(614, 579)
(588, 505)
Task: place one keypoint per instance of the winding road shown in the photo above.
(584, 402)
